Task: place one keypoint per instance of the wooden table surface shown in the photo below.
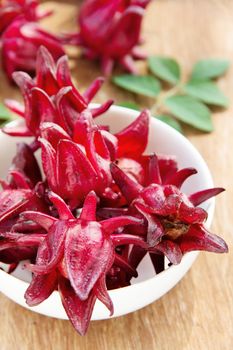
(198, 312)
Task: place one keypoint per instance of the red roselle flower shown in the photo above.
(12, 9)
(75, 166)
(75, 255)
(20, 42)
(20, 192)
(74, 170)
(110, 32)
(51, 97)
(175, 223)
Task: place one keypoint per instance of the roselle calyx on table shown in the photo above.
(12, 9)
(21, 36)
(110, 32)
(96, 203)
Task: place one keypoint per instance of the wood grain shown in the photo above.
(198, 312)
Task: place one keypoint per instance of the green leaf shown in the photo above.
(141, 84)
(206, 91)
(165, 68)
(209, 69)
(190, 111)
(170, 121)
(129, 104)
(4, 113)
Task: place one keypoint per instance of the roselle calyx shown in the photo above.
(13, 9)
(81, 251)
(177, 222)
(110, 32)
(51, 97)
(21, 36)
(20, 43)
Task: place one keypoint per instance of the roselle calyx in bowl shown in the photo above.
(95, 209)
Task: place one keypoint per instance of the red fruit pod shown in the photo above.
(12, 9)
(110, 32)
(20, 42)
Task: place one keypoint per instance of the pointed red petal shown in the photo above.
(53, 133)
(167, 167)
(111, 225)
(15, 107)
(202, 196)
(100, 145)
(41, 219)
(124, 239)
(64, 79)
(25, 162)
(61, 206)
(129, 188)
(191, 215)
(93, 89)
(46, 69)
(79, 311)
(55, 242)
(170, 249)
(25, 83)
(99, 157)
(87, 253)
(101, 109)
(132, 168)
(43, 108)
(132, 140)
(128, 63)
(180, 176)
(19, 130)
(12, 201)
(89, 207)
(48, 156)
(107, 65)
(101, 293)
(76, 176)
(199, 238)
(41, 287)
(154, 228)
(20, 180)
(82, 127)
(154, 172)
(111, 143)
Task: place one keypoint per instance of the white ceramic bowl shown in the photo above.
(148, 287)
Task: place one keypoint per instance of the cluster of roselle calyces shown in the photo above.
(21, 35)
(86, 217)
(110, 32)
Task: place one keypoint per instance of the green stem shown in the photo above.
(159, 104)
